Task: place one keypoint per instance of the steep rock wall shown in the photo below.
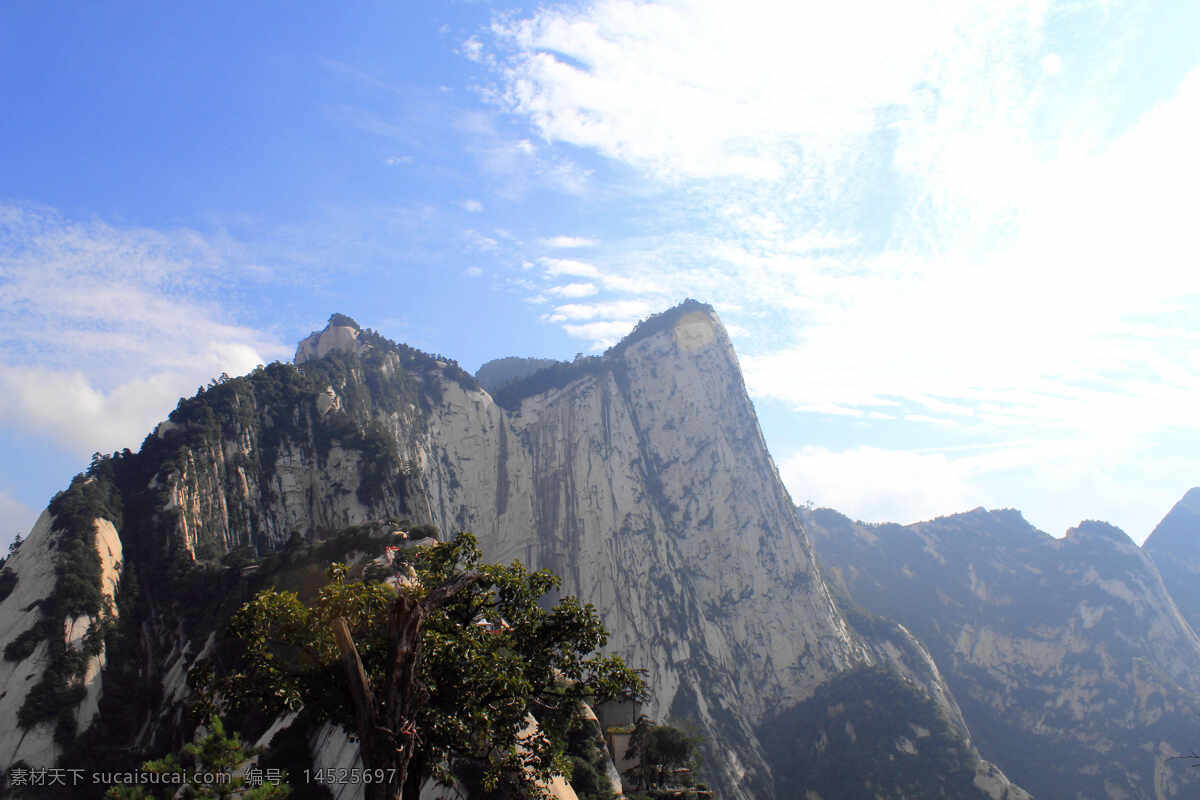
(33, 565)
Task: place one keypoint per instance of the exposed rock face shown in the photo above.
(1072, 665)
(108, 545)
(646, 484)
(23, 613)
(340, 338)
(33, 565)
(640, 477)
(1175, 547)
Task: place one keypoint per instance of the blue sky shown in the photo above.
(951, 241)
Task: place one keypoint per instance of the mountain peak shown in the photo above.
(340, 333)
(662, 321)
(695, 326)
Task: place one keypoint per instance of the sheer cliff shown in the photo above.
(1072, 665)
(640, 476)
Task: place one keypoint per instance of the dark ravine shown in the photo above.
(640, 476)
(1073, 667)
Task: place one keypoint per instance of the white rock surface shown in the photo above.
(108, 543)
(333, 750)
(34, 565)
(322, 343)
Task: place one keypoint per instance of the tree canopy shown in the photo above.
(440, 673)
(203, 770)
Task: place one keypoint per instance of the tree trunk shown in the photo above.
(372, 746)
(392, 745)
(405, 694)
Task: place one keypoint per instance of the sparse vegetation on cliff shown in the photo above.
(77, 593)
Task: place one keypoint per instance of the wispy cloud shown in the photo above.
(600, 334)
(936, 220)
(988, 261)
(568, 242)
(103, 328)
(569, 266)
(573, 290)
(622, 309)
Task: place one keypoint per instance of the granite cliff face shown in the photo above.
(1073, 667)
(641, 477)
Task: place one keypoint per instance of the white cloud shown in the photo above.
(472, 206)
(555, 267)
(102, 329)
(573, 290)
(601, 334)
(480, 242)
(568, 242)
(620, 309)
(876, 485)
(699, 88)
(472, 48)
(518, 165)
(473, 272)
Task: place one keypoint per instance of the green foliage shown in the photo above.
(585, 748)
(657, 323)
(555, 376)
(341, 320)
(669, 747)
(24, 644)
(380, 462)
(203, 770)
(492, 655)
(290, 658)
(659, 749)
(588, 782)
